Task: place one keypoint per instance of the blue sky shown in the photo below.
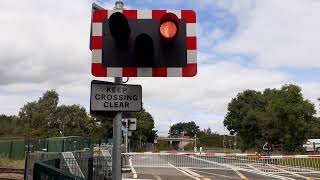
(242, 44)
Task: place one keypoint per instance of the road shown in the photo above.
(208, 168)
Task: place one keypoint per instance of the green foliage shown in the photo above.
(209, 139)
(163, 146)
(187, 128)
(9, 125)
(278, 116)
(44, 118)
(189, 147)
(145, 132)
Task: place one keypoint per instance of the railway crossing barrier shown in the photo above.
(304, 164)
(96, 166)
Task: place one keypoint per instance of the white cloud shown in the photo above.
(202, 99)
(42, 40)
(279, 34)
(311, 92)
(213, 87)
(44, 45)
(167, 114)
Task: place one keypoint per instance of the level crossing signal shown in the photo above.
(143, 43)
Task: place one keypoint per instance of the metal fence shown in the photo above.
(92, 165)
(96, 165)
(16, 148)
(33, 158)
(302, 164)
(93, 168)
(50, 170)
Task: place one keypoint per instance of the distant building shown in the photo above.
(176, 142)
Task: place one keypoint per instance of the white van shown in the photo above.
(311, 144)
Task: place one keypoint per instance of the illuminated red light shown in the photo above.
(168, 29)
(169, 26)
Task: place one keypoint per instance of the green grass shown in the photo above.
(5, 162)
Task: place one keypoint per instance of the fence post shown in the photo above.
(36, 172)
(10, 154)
(90, 168)
(62, 145)
(47, 144)
(99, 143)
(26, 167)
(314, 148)
(89, 143)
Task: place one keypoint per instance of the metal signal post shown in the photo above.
(117, 128)
(116, 148)
(137, 43)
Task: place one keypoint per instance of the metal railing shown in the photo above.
(32, 158)
(88, 164)
(93, 168)
(222, 161)
(96, 166)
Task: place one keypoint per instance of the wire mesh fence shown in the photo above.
(86, 164)
(50, 169)
(85, 167)
(15, 148)
(96, 165)
(92, 168)
(32, 158)
(244, 162)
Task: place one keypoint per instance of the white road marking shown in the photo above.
(254, 172)
(194, 174)
(288, 172)
(189, 175)
(269, 174)
(209, 173)
(157, 177)
(134, 172)
(225, 165)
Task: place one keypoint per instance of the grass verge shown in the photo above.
(5, 162)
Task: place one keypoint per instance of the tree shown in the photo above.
(38, 116)
(209, 140)
(291, 115)
(73, 120)
(319, 106)
(187, 128)
(145, 127)
(278, 116)
(45, 118)
(242, 118)
(9, 126)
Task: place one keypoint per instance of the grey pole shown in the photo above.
(116, 149)
(126, 138)
(117, 127)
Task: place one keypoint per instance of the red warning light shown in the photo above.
(169, 26)
(168, 29)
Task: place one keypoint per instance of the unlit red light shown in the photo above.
(168, 29)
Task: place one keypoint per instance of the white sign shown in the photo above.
(132, 124)
(115, 97)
